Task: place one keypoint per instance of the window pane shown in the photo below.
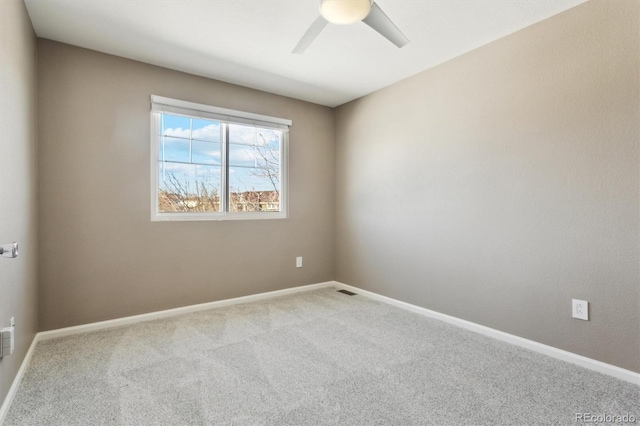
(188, 188)
(249, 135)
(268, 157)
(242, 155)
(262, 156)
(206, 153)
(242, 134)
(175, 125)
(205, 130)
(269, 137)
(176, 149)
(253, 189)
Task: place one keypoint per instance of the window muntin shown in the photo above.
(213, 169)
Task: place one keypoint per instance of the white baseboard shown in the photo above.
(582, 361)
(13, 390)
(118, 322)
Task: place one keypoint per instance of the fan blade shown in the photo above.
(380, 22)
(311, 34)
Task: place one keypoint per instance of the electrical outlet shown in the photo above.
(7, 341)
(299, 262)
(580, 309)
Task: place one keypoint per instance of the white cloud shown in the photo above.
(242, 155)
(208, 133)
(178, 132)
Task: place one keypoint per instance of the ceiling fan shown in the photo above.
(345, 12)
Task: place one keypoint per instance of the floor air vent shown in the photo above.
(347, 292)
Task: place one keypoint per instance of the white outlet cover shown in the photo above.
(580, 309)
(299, 262)
(7, 340)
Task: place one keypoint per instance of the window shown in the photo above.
(210, 163)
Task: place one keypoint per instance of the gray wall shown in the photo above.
(500, 185)
(18, 288)
(101, 256)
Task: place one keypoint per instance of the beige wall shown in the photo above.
(500, 185)
(494, 188)
(18, 289)
(101, 256)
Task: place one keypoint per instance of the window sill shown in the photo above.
(189, 217)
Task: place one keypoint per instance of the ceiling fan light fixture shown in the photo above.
(344, 12)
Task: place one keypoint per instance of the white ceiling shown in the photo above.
(249, 42)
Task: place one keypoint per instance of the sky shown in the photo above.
(190, 150)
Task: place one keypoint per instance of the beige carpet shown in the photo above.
(313, 358)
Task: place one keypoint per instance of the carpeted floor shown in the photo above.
(312, 358)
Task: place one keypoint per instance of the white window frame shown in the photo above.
(161, 105)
